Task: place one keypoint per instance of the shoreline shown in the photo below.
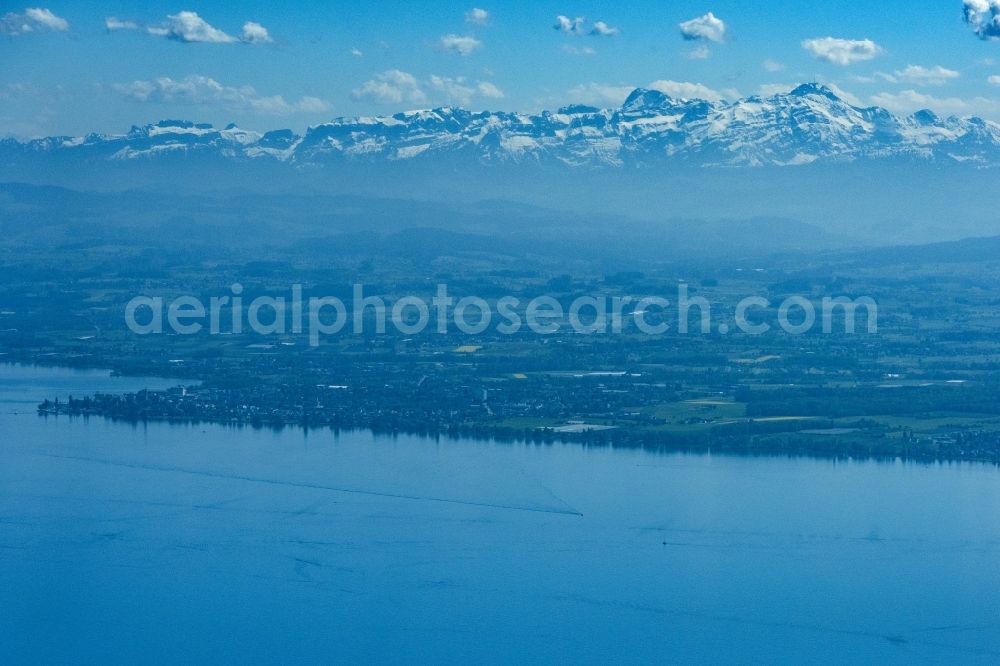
(659, 443)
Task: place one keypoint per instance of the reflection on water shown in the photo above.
(121, 542)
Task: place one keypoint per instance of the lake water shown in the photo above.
(177, 543)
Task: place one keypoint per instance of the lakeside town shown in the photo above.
(925, 386)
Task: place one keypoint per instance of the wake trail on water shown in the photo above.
(568, 511)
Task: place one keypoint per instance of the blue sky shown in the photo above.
(64, 72)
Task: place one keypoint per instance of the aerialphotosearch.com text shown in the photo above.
(321, 317)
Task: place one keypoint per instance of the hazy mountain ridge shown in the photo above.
(809, 124)
(60, 218)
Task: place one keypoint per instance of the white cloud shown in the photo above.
(994, 80)
(188, 28)
(273, 105)
(700, 52)
(578, 50)
(569, 26)
(255, 33)
(578, 27)
(983, 16)
(34, 19)
(198, 90)
(356, 52)
(771, 89)
(46, 19)
(455, 91)
(850, 98)
(462, 92)
(309, 104)
(929, 76)
(598, 94)
(477, 16)
(770, 65)
(487, 89)
(602, 29)
(396, 87)
(704, 27)
(909, 101)
(842, 51)
(463, 45)
(112, 23)
(392, 86)
(688, 90)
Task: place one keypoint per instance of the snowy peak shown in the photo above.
(814, 89)
(809, 123)
(643, 99)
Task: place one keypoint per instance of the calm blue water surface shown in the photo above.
(181, 543)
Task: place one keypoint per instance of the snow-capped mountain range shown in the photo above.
(807, 124)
